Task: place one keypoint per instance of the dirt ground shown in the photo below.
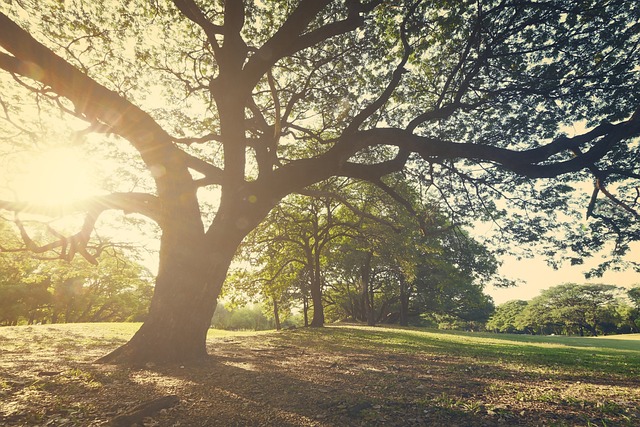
(282, 380)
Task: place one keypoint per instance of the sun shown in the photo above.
(56, 176)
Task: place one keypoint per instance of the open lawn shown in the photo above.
(336, 376)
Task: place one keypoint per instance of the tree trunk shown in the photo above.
(367, 290)
(276, 314)
(305, 310)
(371, 309)
(190, 276)
(316, 290)
(404, 302)
(180, 314)
(352, 303)
(316, 300)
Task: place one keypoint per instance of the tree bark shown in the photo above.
(367, 289)
(192, 269)
(316, 288)
(180, 313)
(404, 302)
(305, 309)
(316, 300)
(276, 314)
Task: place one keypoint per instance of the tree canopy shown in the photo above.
(489, 105)
(584, 309)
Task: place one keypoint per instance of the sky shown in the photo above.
(535, 275)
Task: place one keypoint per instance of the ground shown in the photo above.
(339, 376)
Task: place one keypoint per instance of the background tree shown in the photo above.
(504, 319)
(291, 248)
(258, 100)
(40, 290)
(633, 315)
(23, 290)
(370, 263)
(450, 278)
(572, 308)
(634, 296)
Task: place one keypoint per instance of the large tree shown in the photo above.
(571, 308)
(261, 99)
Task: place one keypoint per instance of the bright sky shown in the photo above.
(55, 176)
(536, 275)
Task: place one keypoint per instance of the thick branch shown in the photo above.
(527, 162)
(94, 101)
(534, 163)
(198, 139)
(144, 204)
(213, 175)
(373, 172)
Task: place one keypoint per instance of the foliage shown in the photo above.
(249, 317)
(634, 296)
(591, 309)
(450, 280)
(35, 290)
(574, 308)
(504, 318)
(364, 254)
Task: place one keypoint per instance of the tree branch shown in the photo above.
(393, 84)
(529, 163)
(144, 204)
(290, 37)
(94, 101)
(191, 10)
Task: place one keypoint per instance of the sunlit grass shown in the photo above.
(81, 336)
(619, 355)
(584, 355)
(219, 333)
(456, 375)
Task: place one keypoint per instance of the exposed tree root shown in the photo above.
(137, 414)
(132, 354)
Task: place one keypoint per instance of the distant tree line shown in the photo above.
(34, 290)
(571, 309)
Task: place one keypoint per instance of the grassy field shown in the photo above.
(336, 376)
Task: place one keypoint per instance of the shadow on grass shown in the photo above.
(329, 377)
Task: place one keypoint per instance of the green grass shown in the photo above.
(618, 355)
(456, 376)
(574, 354)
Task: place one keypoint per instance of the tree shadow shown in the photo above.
(308, 378)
